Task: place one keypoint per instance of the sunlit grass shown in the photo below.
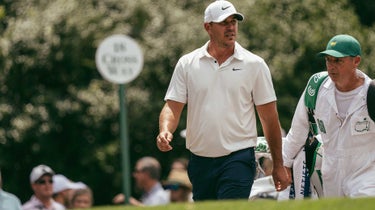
(324, 204)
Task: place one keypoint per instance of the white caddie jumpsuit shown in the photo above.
(348, 165)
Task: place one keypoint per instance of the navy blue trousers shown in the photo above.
(227, 177)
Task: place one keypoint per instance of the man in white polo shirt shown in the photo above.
(222, 83)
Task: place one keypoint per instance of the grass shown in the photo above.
(322, 204)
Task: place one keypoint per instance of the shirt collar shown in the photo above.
(39, 205)
(154, 189)
(237, 48)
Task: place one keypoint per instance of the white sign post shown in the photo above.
(120, 60)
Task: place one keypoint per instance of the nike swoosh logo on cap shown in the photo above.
(224, 8)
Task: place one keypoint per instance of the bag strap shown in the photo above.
(311, 94)
(313, 87)
(371, 100)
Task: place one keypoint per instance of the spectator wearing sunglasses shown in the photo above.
(146, 175)
(179, 186)
(42, 184)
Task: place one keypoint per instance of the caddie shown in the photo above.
(342, 117)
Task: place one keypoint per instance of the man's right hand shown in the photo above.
(163, 141)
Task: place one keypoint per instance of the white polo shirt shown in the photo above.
(220, 99)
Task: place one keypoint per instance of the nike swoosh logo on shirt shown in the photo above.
(234, 69)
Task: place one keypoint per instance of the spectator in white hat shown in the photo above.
(63, 189)
(8, 201)
(41, 183)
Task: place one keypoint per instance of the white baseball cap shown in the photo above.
(39, 171)
(61, 183)
(219, 10)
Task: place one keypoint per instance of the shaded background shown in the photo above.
(56, 109)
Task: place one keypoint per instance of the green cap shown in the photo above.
(342, 46)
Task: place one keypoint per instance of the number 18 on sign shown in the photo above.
(119, 60)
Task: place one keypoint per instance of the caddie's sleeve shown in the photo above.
(297, 134)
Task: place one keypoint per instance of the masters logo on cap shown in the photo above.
(342, 46)
(219, 10)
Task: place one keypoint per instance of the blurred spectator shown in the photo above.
(263, 158)
(265, 166)
(147, 178)
(63, 189)
(41, 183)
(263, 187)
(8, 201)
(180, 163)
(179, 185)
(82, 199)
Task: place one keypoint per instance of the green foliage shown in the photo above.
(56, 109)
(289, 34)
(365, 10)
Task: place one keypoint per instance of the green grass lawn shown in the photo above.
(323, 204)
